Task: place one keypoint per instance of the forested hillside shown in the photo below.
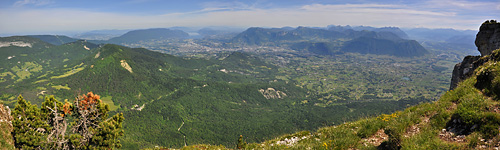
(204, 100)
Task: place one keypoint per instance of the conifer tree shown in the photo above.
(29, 128)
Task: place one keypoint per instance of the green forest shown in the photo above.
(212, 98)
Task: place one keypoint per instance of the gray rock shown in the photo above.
(487, 40)
(464, 70)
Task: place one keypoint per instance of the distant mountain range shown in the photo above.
(55, 39)
(324, 41)
(100, 34)
(384, 41)
(148, 34)
(445, 39)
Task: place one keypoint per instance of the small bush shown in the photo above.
(488, 79)
(489, 131)
(369, 127)
(439, 120)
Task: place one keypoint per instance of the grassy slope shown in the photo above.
(464, 118)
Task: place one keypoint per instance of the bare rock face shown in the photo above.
(488, 38)
(271, 93)
(6, 128)
(464, 70)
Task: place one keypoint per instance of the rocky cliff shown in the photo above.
(487, 40)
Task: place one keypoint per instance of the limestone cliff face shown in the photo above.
(487, 40)
(464, 70)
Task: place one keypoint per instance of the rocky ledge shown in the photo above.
(487, 40)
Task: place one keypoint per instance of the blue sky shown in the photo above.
(50, 16)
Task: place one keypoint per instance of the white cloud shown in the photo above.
(32, 20)
(460, 4)
(21, 3)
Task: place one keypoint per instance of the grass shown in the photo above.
(58, 87)
(108, 100)
(43, 80)
(71, 72)
(7, 102)
(25, 71)
(4, 74)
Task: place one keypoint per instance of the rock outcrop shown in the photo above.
(487, 40)
(464, 70)
(271, 93)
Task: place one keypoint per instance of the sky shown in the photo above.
(57, 16)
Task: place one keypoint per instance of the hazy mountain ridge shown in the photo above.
(385, 41)
(445, 39)
(55, 39)
(148, 34)
(336, 36)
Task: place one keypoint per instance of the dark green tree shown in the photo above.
(29, 127)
